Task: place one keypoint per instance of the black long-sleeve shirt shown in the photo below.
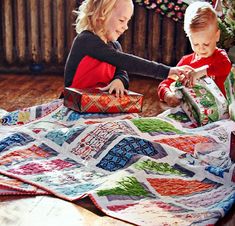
(88, 44)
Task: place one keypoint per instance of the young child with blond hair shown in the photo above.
(96, 58)
(201, 27)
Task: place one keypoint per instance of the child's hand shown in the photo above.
(171, 99)
(181, 71)
(115, 86)
(194, 75)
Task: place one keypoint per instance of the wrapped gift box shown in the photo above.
(204, 103)
(95, 101)
(229, 86)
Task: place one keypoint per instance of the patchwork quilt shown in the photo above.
(141, 170)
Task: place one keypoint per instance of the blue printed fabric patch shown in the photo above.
(121, 154)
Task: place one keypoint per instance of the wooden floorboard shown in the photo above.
(20, 91)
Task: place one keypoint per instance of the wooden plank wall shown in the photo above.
(155, 37)
(35, 36)
(35, 33)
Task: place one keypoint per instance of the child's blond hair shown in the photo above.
(92, 14)
(198, 16)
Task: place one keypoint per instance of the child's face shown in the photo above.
(116, 24)
(204, 42)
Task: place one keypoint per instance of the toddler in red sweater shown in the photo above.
(201, 26)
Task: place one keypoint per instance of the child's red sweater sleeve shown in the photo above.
(163, 87)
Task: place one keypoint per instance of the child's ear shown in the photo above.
(217, 35)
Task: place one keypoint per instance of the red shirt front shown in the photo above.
(219, 68)
(92, 73)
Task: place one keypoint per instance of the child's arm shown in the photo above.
(120, 82)
(165, 94)
(164, 87)
(119, 73)
(90, 44)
